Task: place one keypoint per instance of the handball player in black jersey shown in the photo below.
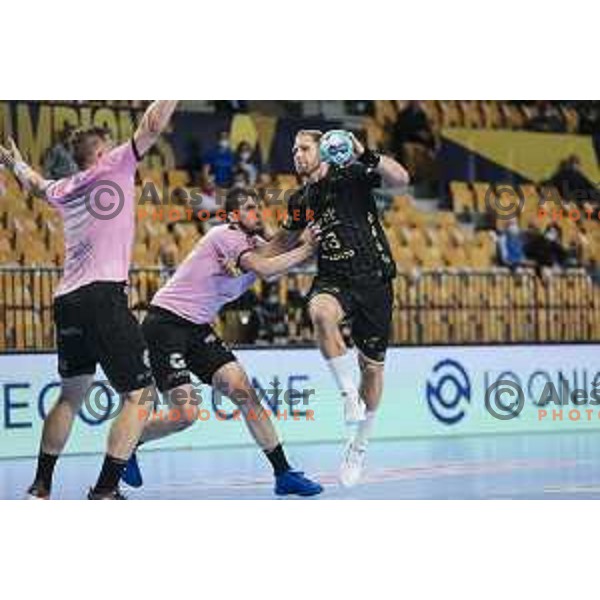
(354, 275)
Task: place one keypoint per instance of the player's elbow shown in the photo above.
(264, 270)
(257, 265)
(401, 177)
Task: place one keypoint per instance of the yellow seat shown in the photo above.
(451, 115)
(484, 196)
(178, 178)
(462, 197)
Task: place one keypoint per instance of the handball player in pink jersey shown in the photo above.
(178, 330)
(93, 322)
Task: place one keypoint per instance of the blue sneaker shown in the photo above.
(132, 475)
(294, 482)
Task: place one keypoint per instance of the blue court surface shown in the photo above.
(540, 466)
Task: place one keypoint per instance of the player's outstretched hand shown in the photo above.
(359, 149)
(11, 155)
(311, 235)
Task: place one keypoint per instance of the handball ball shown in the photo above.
(337, 148)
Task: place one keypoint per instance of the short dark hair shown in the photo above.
(314, 134)
(236, 196)
(83, 144)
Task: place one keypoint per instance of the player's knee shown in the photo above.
(144, 397)
(239, 391)
(370, 367)
(323, 316)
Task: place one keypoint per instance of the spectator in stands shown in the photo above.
(571, 182)
(168, 260)
(413, 141)
(240, 179)
(589, 119)
(59, 162)
(412, 125)
(511, 247)
(594, 271)
(546, 250)
(548, 119)
(220, 161)
(231, 106)
(244, 161)
(264, 182)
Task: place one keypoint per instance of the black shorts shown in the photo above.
(94, 325)
(368, 307)
(179, 347)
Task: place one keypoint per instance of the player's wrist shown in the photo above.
(20, 169)
(369, 159)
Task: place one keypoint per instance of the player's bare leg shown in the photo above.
(123, 438)
(182, 412)
(56, 431)
(371, 390)
(232, 380)
(326, 313)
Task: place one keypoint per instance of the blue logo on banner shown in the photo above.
(446, 390)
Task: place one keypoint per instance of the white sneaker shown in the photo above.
(35, 492)
(354, 408)
(353, 464)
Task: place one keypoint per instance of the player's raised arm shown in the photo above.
(30, 179)
(266, 266)
(154, 122)
(390, 170)
(282, 241)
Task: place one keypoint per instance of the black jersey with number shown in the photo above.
(353, 244)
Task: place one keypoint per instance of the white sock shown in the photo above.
(364, 429)
(342, 368)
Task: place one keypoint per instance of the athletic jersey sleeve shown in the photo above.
(56, 192)
(124, 156)
(231, 245)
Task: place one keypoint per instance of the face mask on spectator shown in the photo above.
(245, 156)
(224, 144)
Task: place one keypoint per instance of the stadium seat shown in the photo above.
(472, 117)
(451, 116)
(463, 200)
(492, 117)
(178, 178)
(482, 192)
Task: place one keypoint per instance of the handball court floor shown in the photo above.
(539, 466)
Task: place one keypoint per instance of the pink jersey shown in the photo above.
(200, 286)
(98, 210)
